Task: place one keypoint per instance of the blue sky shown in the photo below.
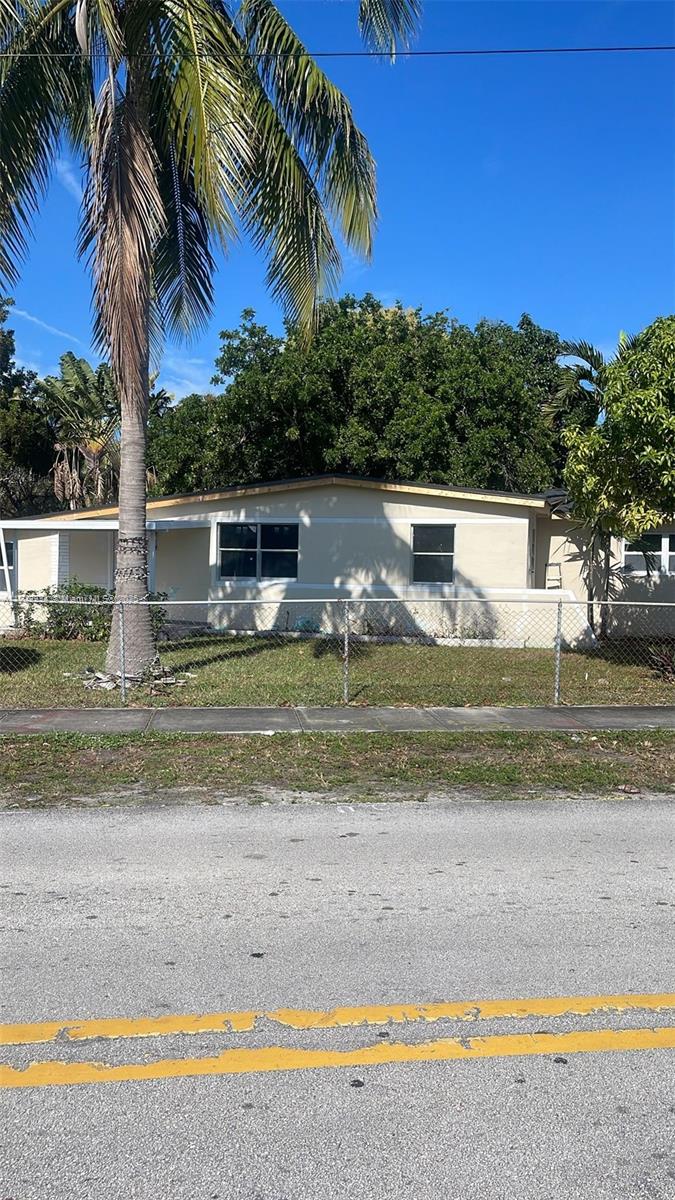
(544, 185)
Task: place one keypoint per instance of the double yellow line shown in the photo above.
(238, 1060)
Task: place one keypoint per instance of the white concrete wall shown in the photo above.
(515, 619)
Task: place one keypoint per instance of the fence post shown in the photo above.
(123, 661)
(345, 655)
(558, 649)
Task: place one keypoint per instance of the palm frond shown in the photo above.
(43, 77)
(389, 25)
(197, 99)
(123, 219)
(627, 342)
(585, 351)
(318, 120)
(183, 264)
(281, 209)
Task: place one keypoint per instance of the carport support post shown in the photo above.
(558, 650)
(123, 663)
(345, 654)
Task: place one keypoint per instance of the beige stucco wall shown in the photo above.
(358, 541)
(561, 541)
(340, 500)
(182, 563)
(355, 542)
(90, 556)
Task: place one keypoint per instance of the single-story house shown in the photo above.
(334, 537)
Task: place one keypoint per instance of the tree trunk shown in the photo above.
(131, 571)
(606, 576)
(130, 216)
(590, 586)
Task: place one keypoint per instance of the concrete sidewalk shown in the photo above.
(330, 720)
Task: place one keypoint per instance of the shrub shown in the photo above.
(662, 660)
(75, 612)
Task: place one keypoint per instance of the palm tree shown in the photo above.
(580, 401)
(84, 405)
(193, 122)
(579, 395)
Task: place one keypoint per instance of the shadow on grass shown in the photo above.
(624, 652)
(226, 653)
(17, 658)
(334, 646)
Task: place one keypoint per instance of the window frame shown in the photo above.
(415, 554)
(258, 551)
(10, 547)
(662, 557)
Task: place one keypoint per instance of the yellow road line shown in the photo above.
(280, 1058)
(294, 1018)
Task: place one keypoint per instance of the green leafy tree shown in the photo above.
(178, 442)
(26, 432)
(386, 392)
(621, 472)
(192, 121)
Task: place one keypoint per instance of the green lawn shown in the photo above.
(41, 769)
(247, 671)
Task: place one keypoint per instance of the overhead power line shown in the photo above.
(454, 53)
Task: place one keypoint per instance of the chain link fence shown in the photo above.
(54, 652)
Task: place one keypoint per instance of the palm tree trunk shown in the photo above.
(130, 220)
(131, 569)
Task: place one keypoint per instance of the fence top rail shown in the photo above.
(212, 602)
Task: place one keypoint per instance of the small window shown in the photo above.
(9, 547)
(238, 546)
(433, 548)
(671, 554)
(278, 551)
(258, 551)
(643, 556)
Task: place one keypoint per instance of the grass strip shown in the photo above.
(42, 769)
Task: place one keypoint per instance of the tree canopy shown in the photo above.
(381, 391)
(621, 472)
(26, 432)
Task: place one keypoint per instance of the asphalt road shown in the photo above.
(122, 913)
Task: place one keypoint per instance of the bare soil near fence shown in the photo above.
(263, 671)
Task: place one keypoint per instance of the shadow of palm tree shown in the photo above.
(17, 658)
(334, 646)
(232, 652)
